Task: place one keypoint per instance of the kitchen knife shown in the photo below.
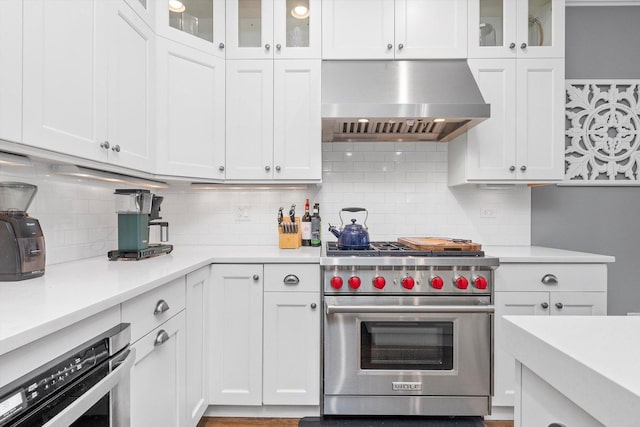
(292, 214)
(280, 216)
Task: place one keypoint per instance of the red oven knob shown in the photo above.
(480, 282)
(336, 282)
(437, 282)
(461, 282)
(379, 282)
(408, 282)
(354, 282)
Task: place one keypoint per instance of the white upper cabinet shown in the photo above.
(196, 23)
(11, 71)
(388, 29)
(64, 78)
(273, 120)
(190, 119)
(272, 29)
(87, 81)
(516, 28)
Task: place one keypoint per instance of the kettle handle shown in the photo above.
(354, 210)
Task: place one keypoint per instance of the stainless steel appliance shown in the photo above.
(407, 331)
(87, 386)
(22, 248)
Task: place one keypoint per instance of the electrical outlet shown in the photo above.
(487, 212)
(243, 213)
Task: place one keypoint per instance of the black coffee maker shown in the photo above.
(22, 249)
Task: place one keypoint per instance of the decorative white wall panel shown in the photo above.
(603, 131)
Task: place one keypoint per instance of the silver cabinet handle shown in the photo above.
(105, 145)
(267, 46)
(116, 148)
(291, 280)
(34, 251)
(278, 168)
(512, 45)
(313, 306)
(161, 307)
(221, 168)
(544, 305)
(221, 45)
(161, 338)
(389, 46)
(278, 46)
(512, 168)
(400, 46)
(523, 168)
(559, 305)
(523, 46)
(549, 279)
(256, 277)
(267, 168)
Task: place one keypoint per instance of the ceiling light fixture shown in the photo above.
(300, 11)
(176, 6)
(98, 175)
(8, 159)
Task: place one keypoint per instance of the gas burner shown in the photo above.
(395, 249)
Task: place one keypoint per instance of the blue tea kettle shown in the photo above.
(352, 236)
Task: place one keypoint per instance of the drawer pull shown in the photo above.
(549, 279)
(559, 305)
(544, 305)
(291, 280)
(161, 338)
(161, 307)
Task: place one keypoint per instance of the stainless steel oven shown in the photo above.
(87, 386)
(408, 335)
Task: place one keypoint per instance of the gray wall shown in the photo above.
(601, 43)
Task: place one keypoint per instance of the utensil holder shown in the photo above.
(290, 240)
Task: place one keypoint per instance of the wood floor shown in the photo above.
(289, 422)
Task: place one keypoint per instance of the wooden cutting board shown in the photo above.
(439, 244)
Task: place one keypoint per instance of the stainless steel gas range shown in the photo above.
(407, 332)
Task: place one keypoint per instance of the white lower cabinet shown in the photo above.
(157, 377)
(265, 334)
(197, 329)
(541, 290)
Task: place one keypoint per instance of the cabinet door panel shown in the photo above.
(131, 50)
(250, 29)
(578, 303)
(157, 378)
(297, 126)
(491, 144)
(249, 119)
(236, 335)
(298, 37)
(64, 77)
(430, 29)
(197, 330)
(356, 29)
(510, 304)
(541, 26)
(191, 115)
(540, 119)
(291, 348)
(492, 29)
(11, 71)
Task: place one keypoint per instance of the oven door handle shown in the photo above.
(402, 309)
(74, 411)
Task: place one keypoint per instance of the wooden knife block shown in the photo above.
(290, 240)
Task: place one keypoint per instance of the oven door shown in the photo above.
(394, 346)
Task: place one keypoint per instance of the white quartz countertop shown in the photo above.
(71, 292)
(592, 360)
(539, 254)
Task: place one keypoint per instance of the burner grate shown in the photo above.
(395, 249)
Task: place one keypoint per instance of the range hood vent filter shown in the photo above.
(385, 129)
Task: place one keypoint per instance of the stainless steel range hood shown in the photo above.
(430, 100)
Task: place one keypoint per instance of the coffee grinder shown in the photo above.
(137, 211)
(22, 249)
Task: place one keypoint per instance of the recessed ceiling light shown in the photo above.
(438, 120)
(176, 6)
(300, 12)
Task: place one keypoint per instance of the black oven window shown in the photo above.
(406, 345)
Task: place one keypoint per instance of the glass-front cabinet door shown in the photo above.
(516, 28)
(196, 23)
(266, 29)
